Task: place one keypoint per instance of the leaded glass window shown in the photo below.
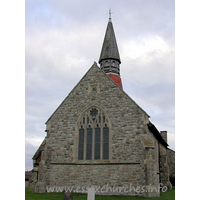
(81, 144)
(89, 144)
(97, 147)
(105, 142)
(93, 141)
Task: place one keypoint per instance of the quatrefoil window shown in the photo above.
(93, 112)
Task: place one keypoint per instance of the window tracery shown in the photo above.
(93, 137)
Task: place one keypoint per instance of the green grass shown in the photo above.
(30, 195)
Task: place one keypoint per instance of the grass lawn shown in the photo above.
(30, 195)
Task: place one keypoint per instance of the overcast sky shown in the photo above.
(64, 38)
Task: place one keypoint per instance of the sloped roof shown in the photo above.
(157, 134)
(41, 147)
(109, 48)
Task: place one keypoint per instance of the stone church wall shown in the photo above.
(171, 163)
(164, 167)
(126, 120)
(97, 175)
(133, 155)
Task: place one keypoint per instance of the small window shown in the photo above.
(113, 63)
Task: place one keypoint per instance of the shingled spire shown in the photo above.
(109, 59)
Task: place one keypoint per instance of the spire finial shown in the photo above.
(110, 13)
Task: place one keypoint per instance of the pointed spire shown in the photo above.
(109, 48)
(109, 59)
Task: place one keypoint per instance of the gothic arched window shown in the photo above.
(93, 137)
(113, 64)
(106, 63)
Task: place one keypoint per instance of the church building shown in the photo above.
(99, 136)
